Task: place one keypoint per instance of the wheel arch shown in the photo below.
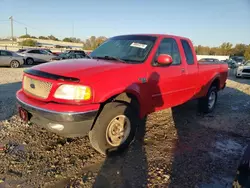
(215, 82)
(130, 97)
(16, 61)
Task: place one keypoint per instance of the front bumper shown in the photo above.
(23, 61)
(67, 123)
(242, 74)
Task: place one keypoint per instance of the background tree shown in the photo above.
(100, 40)
(72, 39)
(202, 50)
(51, 37)
(24, 36)
(247, 53)
(78, 40)
(27, 36)
(67, 40)
(214, 51)
(93, 42)
(43, 37)
(226, 48)
(239, 49)
(28, 42)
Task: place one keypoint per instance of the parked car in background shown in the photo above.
(68, 56)
(75, 51)
(209, 60)
(12, 59)
(231, 63)
(127, 78)
(21, 50)
(48, 50)
(243, 70)
(238, 59)
(36, 56)
(58, 46)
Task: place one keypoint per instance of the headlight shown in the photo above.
(73, 92)
(240, 68)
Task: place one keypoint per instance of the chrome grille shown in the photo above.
(246, 70)
(37, 88)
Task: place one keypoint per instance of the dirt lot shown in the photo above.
(178, 148)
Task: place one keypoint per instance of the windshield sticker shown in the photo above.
(138, 45)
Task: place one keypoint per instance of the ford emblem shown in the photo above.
(32, 86)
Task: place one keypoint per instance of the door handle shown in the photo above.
(182, 70)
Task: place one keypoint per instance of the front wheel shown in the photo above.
(14, 64)
(207, 103)
(114, 129)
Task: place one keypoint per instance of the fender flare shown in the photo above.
(133, 89)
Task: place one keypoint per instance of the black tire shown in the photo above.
(97, 135)
(14, 64)
(29, 61)
(204, 103)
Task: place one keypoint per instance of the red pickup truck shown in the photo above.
(124, 79)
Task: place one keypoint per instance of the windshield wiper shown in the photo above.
(88, 56)
(109, 58)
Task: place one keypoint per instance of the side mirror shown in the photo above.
(164, 59)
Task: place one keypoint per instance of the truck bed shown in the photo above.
(209, 72)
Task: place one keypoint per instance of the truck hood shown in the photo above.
(79, 68)
(246, 67)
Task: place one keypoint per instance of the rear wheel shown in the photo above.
(207, 103)
(29, 61)
(14, 64)
(114, 128)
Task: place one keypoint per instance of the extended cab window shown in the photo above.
(170, 47)
(188, 52)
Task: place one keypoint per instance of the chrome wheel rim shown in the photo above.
(211, 100)
(14, 64)
(29, 62)
(118, 130)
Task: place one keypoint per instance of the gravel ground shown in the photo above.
(178, 148)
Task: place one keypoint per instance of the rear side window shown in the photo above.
(188, 52)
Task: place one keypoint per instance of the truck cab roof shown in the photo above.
(158, 35)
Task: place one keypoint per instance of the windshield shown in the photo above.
(128, 48)
(247, 63)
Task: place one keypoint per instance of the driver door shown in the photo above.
(166, 81)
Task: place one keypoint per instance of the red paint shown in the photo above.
(165, 86)
(164, 59)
